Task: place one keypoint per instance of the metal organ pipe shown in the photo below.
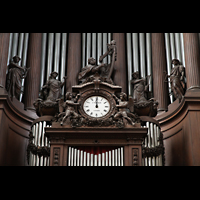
(63, 55)
(135, 52)
(83, 50)
(142, 54)
(57, 52)
(182, 49)
(148, 54)
(105, 41)
(20, 46)
(99, 48)
(172, 45)
(88, 52)
(10, 49)
(14, 45)
(129, 62)
(50, 54)
(43, 58)
(178, 46)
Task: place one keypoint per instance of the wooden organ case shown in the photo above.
(92, 136)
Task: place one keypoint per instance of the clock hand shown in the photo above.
(97, 102)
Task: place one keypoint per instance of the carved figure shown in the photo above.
(70, 108)
(52, 89)
(140, 88)
(177, 79)
(142, 106)
(87, 73)
(122, 108)
(50, 96)
(14, 77)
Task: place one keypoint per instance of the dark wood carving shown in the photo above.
(56, 156)
(14, 77)
(50, 96)
(142, 106)
(135, 153)
(177, 79)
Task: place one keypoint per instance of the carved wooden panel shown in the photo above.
(56, 156)
(135, 154)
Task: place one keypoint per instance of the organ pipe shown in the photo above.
(43, 58)
(50, 54)
(57, 52)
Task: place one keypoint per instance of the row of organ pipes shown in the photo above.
(112, 157)
(39, 140)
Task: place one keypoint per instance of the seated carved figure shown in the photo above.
(70, 106)
(87, 73)
(122, 108)
(142, 106)
(49, 96)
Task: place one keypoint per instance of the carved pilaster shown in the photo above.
(135, 153)
(32, 81)
(192, 60)
(4, 45)
(73, 61)
(160, 89)
(120, 73)
(56, 156)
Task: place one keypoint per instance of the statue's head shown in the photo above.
(54, 74)
(91, 61)
(175, 62)
(123, 96)
(113, 42)
(68, 96)
(16, 59)
(135, 75)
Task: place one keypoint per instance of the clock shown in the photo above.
(96, 106)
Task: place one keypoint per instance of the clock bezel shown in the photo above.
(104, 94)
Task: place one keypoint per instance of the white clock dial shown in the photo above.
(96, 106)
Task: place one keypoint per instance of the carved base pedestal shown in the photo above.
(62, 138)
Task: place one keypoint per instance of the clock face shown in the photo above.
(96, 106)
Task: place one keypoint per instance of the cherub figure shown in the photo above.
(122, 108)
(70, 107)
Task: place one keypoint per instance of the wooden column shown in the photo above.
(120, 74)
(73, 60)
(192, 60)
(4, 45)
(159, 63)
(32, 81)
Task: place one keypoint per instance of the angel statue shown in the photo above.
(122, 106)
(70, 106)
